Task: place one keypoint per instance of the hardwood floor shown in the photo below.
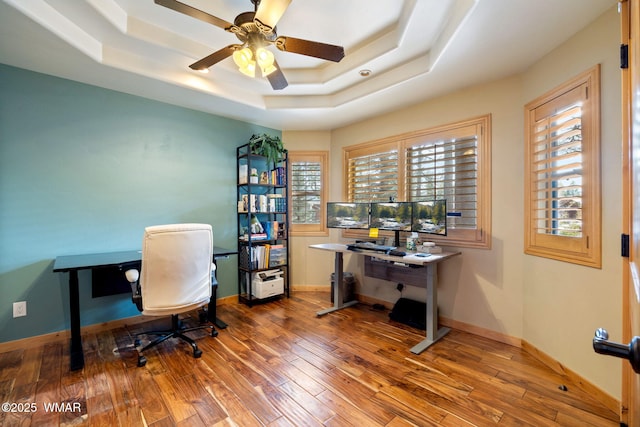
(280, 365)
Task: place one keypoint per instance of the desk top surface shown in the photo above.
(105, 259)
(410, 258)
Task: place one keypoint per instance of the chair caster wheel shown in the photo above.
(142, 361)
(197, 353)
(214, 333)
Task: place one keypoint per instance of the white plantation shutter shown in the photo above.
(306, 186)
(373, 177)
(557, 174)
(562, 200)
(308, 192)
(446, 169)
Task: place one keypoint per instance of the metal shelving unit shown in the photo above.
(263, 227)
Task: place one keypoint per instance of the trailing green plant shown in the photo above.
(268, 146)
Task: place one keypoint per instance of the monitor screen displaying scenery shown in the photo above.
(430, 217)
(348, 215)
(391, 216)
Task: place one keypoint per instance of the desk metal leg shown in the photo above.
(220, 324)
(338, 296)
(212, 310)
(433, 333)
(77, 355)
(211, 315)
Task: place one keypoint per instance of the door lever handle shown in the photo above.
(631, 351)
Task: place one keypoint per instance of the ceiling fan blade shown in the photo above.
(195, 13)
(269, 13)
(214, 58)
(277, 79)
(326, 51)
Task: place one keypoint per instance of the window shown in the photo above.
(373, 176)
(449, 162)
(562, 180)
(445, 166)
(308, 192)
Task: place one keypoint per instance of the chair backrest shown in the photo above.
(176, 268)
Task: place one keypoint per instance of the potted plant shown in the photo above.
(268, 146)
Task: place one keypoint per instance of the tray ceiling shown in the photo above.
(414, 50)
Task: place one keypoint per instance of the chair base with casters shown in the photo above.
(176, 331)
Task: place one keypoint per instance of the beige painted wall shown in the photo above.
(564, 304)
(553, 305)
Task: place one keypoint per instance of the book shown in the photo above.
(278, 176)
(277, 203)
(271, 229)
(262, 204)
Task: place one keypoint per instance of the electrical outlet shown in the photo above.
(19, 309)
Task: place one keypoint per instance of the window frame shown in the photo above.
(587, 249)
(321, 157)
(473, 238)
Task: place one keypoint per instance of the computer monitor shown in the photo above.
(394, 216)
(348, 215)
(430, 217)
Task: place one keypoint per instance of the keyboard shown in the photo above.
(369, 246)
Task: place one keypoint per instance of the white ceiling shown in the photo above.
(415, 49)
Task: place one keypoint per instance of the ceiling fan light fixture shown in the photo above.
(265, 61)
(249, 70)
(242, 57)
(244, 60)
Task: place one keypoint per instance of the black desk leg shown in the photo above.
(77, 355)
(211, 309)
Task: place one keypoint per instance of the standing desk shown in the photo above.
(381, 265)
(73, 263)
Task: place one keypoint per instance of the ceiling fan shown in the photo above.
(256, 30)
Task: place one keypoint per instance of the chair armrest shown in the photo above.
(214, 281)
(132, 276)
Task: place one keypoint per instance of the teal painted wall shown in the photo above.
(84, 169)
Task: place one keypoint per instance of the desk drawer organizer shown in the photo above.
(277, 256)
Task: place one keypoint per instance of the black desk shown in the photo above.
(73, 263)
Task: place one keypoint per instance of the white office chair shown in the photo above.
(176, 277)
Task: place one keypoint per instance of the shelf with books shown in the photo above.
(262, 257)
(249, 202)
(263, 220)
